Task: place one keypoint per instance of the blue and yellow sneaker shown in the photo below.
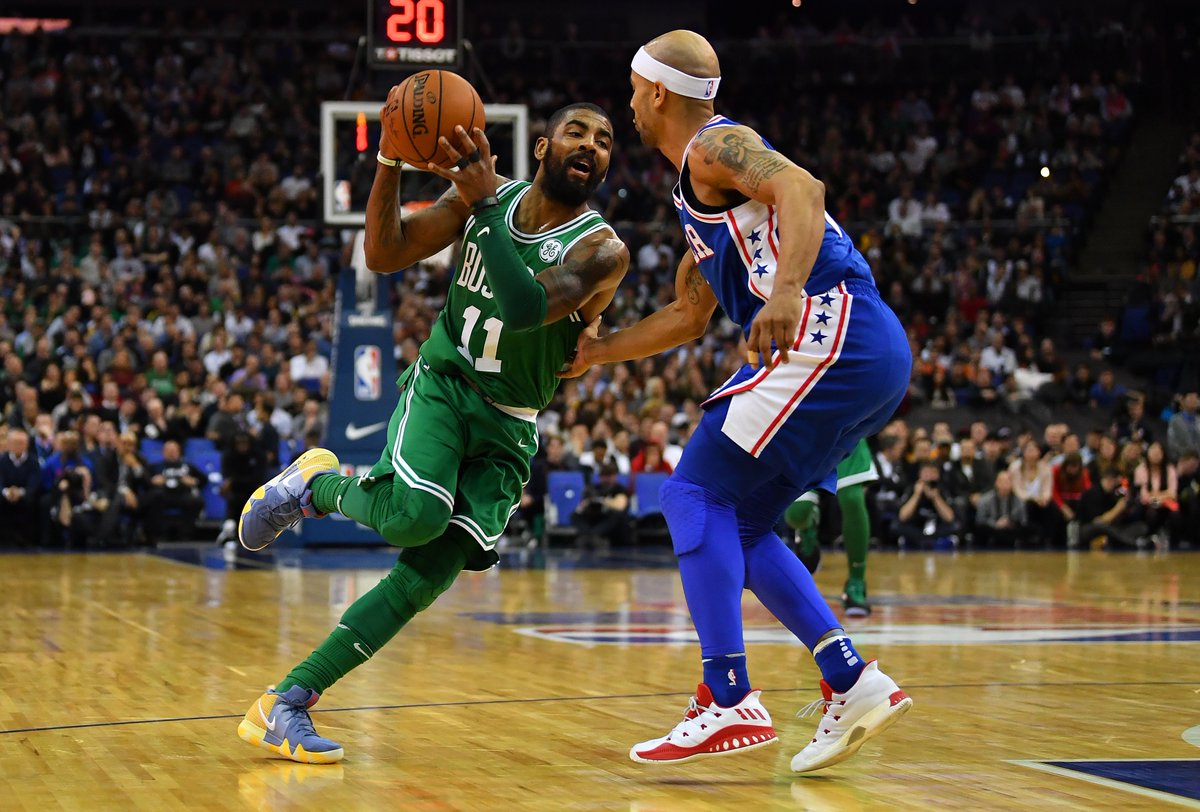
(284, 500)
(280, 723)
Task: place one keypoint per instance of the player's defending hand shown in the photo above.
(474, 172)
(578, 362)
(777, 321)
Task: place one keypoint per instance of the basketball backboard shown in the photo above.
(350, 139)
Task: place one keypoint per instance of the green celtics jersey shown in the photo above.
(469, 338)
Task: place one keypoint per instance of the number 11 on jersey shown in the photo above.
(488, 362)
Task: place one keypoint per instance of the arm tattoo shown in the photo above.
(693, 281)
(749, 159)
(573, 283)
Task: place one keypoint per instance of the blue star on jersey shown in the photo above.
(823, 317)
(827, 300)
(760, 270)
(818, 338)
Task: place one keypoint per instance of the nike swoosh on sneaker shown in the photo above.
(270, 723)
(355, 433)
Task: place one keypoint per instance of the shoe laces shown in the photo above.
(691, 722)
(828, 717)
(300, 721)
(811, 707)
(285, 514)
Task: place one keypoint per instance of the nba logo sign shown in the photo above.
(708, 91)
(366, 372)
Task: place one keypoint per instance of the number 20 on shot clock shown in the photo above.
(414, 33)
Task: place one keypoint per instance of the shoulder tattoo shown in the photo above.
(752, 162)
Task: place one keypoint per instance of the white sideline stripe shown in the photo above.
(410, 477)
(1109, 782)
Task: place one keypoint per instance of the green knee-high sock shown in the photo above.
(801, 517)
(329, 489)
(371, 505)
(367, 625)
(856, 529)
(418, 577)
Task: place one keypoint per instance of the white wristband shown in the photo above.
(386, 161)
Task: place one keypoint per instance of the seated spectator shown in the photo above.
(309, 368)
(1106, 343)
(925, 513)
(1183, 431)
(1071, 482)
(20, 483)
(309, 421)
(1000, 517)
(67, 482)
(595, 457)
(603, 514)
(1156, 483)
(1106, 513)
(1132, 426)
(117, 524)
(156, 426)
(1106, 392)
(998, 359)
(1033, 482)
(1128, 460)
(650, 459)
(1187, 525)
(173, 495)
(250, 378)
(965, 480)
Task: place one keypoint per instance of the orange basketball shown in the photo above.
(432, 104)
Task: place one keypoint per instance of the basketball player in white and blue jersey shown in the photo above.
(827, 364)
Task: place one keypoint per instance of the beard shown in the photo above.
(565, 189)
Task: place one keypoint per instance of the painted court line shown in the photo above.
(1108, 782)
(606, 697)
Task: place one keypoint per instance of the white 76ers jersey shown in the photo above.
(737, 249)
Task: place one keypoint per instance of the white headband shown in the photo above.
(676, 81)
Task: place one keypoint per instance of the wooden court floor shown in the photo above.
(122, 678)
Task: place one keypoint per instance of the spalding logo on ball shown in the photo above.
(432, 104)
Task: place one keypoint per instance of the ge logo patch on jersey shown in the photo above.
(367, 385)
(550, 250)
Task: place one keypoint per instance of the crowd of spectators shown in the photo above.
(1161, 321)
(163, 278)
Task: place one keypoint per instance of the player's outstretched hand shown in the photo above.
(777, 321)
(578, 363)
(474, 173)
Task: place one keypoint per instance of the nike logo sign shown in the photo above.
(270, 723)
(358, 647)
(483, 231)
(523, 445)
(354, 433)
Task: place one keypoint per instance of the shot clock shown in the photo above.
(414, 33)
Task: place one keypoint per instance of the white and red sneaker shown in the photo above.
(851, 719)
(708, 729)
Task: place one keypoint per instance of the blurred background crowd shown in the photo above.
(168, 287)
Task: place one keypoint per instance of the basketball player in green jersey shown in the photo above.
(536, 265)
(853, 474)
